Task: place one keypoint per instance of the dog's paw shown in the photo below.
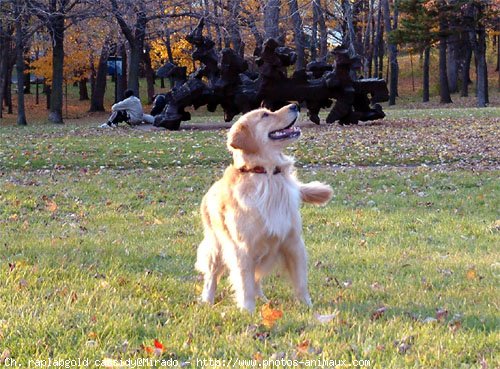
(247, 306)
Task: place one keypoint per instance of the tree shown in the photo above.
(57, 16)
(139, 13)
(98, 78)
(417, 29)
(444, 89)
(19, 16)
(474, 13)
(7, 29)
(272, 18)
(392, 48)
(298, 34)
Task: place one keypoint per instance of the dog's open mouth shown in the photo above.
(285, 133)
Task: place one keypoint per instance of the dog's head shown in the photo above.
(262, 130)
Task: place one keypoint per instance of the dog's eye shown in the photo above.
(264, 115)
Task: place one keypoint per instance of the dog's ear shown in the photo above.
(242, 139)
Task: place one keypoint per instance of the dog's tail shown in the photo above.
(316, 193)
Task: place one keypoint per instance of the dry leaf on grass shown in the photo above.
(377, 314)
(270, 315)
(326, 318)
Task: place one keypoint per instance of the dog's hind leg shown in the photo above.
(258, 291)
(295, 260)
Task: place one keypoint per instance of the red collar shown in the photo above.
(258, 170)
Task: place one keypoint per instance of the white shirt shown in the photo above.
(132, 105)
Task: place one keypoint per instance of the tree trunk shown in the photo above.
(444, 90)
(482, 71)
(313, 47)
(134, 67)
(82, 89)
(123, 78)
(497, 69)
(272, 19)
(323, 31)
(393, 52)
(56, 98)
(453, 50)
(349, 34)
(367, 41)
(466, 71)
(234, 27)
(7, 94)
(378, 52)
(218, 30)
(4, 61)
(135, 39)
(425, 82)
(150, 75)
(21, 112)
(99, 90)
(298, 34)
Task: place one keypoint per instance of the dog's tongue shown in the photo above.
(285, 133)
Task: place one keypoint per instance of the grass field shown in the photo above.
(99, 229)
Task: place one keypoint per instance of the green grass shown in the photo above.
(98, 237)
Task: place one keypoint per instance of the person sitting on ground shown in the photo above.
(129, 111)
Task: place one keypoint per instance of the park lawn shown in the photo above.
(99, 229)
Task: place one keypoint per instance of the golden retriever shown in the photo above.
(251, 216)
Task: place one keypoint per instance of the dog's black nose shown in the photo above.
(295, 107)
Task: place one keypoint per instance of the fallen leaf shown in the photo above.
(148, 349)
(92, 335)
(303, 347)
(326, 318)
(23, 283)
(270, 315)
(376, 286)
(404, 344)
(471, 273)
(73, 297)
(158, 346)
(441, 314)
(377, 314)
(429, 319)
(51, 206)
(403, 347)
(258, 356)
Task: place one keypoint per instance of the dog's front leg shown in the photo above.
(244, 288)
(296, 265)
(241, 273)
(209, 287)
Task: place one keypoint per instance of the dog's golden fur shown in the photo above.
(251, 216)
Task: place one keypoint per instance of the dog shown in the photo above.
(251, 216)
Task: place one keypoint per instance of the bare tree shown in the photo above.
(234, 8)
(392, 49)
(298, 34)
(271, 18)
(19, 12)
(6, 53)
(133, 18)
(444, 89)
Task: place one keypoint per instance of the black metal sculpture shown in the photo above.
(225, 80)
